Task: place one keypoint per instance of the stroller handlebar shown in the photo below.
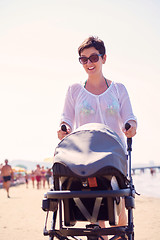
(127, 126)
(129, 140)
(64, 128)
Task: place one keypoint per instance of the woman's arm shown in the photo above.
(68, 114)
(126, 112)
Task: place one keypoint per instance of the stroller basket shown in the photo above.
(90, 179)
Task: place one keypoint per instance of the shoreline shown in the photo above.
(21, 216)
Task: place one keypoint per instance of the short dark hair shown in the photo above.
(95, 42)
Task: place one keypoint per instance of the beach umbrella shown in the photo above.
(18, 169)
(21, 166)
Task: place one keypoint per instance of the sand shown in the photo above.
(21, 216)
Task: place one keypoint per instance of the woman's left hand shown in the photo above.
(131, 132)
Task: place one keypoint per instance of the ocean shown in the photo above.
(147, 184)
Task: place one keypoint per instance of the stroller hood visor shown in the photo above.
(90, 148)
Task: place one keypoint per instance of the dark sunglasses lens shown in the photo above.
(83, 60)
(94, 58)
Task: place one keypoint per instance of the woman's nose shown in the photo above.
(89, 62)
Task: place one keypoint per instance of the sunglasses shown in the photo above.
(93, 58)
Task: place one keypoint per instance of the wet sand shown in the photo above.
(21, 216)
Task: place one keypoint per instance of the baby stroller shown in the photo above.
(90, 179)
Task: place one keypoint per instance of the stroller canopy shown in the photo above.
(90, 148)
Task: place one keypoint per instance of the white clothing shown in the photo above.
(112, 107)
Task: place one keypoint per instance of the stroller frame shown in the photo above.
(53, 199)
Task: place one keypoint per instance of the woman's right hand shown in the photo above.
(62, 134)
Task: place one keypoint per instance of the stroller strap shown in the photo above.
(84, 211)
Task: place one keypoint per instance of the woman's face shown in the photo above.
(93, 68)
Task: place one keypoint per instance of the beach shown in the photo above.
(21, 216)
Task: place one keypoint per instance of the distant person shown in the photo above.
(38, 176)
(43, 176)
(33, 178)
(7, 175)
(1, 165)
(152, 171)
(26, 179)
(48, 176)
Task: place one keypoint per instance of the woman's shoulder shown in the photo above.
(118, 84)
(75, 86)
(74, 89)
(120, 87)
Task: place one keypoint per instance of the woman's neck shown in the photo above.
(96, 81)
(96, 85)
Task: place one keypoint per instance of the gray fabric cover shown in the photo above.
(90, 148)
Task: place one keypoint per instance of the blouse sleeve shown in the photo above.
(68, 114)
(126, 111)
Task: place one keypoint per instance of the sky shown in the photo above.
(39, 60)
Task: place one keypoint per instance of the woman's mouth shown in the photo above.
(90, 68)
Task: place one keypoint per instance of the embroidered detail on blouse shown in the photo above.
(112, 107)
(86, 108)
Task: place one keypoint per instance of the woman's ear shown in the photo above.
(104, 58)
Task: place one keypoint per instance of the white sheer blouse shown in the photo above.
(112, 107)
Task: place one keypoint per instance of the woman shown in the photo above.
(99, 100)
(38, 176)
(43, 176)
(48, 176)
(32, 178)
